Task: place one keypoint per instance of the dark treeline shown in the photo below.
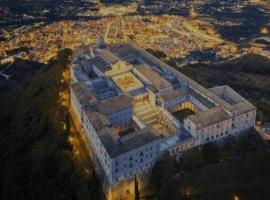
(249, 63)
(36, 157)
(239, 167)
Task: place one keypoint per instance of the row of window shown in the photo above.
(137, 171)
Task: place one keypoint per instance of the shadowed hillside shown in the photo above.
(36, 157)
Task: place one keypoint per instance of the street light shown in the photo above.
(70, 139)
(236, 197)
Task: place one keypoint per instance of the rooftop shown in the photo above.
(83, 93)
(209, 117)
(101, 64)
(80, 74)
(187, 92)
(98, 120)
(103, 88)
(115, 149)
(108, 56)
(158, 81)
(228, 95)
(115, 104)
(175, 94)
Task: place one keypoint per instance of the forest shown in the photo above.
(236, 169)
(36, 157)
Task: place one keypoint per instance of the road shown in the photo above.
(79, 149)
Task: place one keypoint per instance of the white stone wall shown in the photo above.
(134, 162)
(213, 132)
(222, 129)
(190, 126)
(98, 148)
(76, 106)
(243, 121)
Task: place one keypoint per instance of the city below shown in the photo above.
(135, 100)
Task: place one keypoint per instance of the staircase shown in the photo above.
(147, 114)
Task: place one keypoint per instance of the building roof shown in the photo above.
(115, 149)
(98, 120)
(83, 93)
(101, 64)
(209, 117)
(103, 88)
(238, 103)
(80, 74)
(243, 107)
(158, 81)
(125, 52)
(149, 58)
(201, 98)
(152, 88)
(115, 104)
(152, 60)
(175, 94)
(187, 92)
(227, 94)
(108, 56)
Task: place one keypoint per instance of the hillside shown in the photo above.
(19, 71)
(36, 157)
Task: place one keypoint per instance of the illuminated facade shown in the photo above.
(130, 105)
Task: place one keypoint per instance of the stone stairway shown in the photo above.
(147, 114)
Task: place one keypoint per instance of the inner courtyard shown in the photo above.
(127, 82)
